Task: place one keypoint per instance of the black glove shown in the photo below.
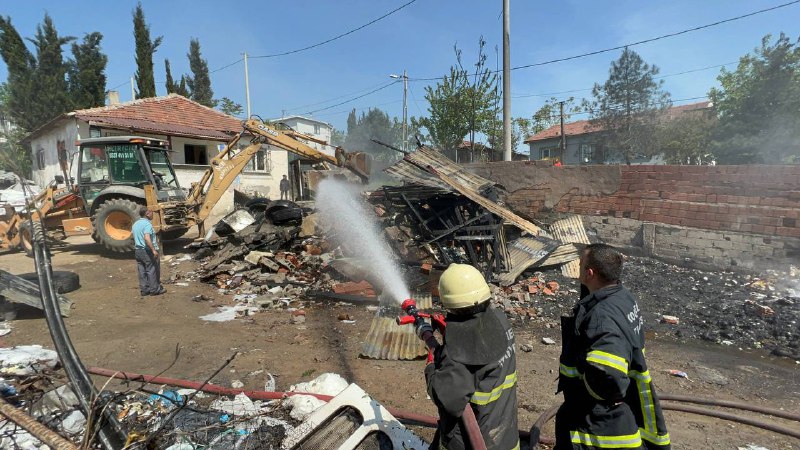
(421, 326)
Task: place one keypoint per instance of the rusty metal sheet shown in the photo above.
(570, 230)
(524, 253)
(388, 340)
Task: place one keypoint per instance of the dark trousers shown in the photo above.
(149, 269)
(285, 195)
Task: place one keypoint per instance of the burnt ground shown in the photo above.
(112, 327)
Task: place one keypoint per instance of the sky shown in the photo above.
(419, 38)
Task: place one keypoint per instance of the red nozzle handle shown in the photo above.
(407, 303)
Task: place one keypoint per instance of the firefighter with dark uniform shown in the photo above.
(609, 399)
(475, 366)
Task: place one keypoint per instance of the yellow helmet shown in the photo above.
(461, 286)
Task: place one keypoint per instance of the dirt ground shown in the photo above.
(112, 327)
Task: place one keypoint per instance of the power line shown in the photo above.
(645, 41)
(332, 99)
(227, 65)
(355, 98)
(273, 55)
(655, 78)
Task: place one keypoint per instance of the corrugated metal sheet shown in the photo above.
(570, 230)
(525, 252)
(412, 169)
(388, 340)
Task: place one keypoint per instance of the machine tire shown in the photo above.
(63, 281)
(112, 222)
(27, 238)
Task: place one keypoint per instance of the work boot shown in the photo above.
(160, 291)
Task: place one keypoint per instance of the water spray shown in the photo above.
(341, 208)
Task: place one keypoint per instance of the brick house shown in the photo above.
(583, 140)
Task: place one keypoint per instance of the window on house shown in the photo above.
(550, 152)
(261, 162)
(195, 154)
(587, 153)
(94, 132)
(40, 158)
(316, 128)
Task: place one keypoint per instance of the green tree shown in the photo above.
(174, 87)
(338, 138)
(520, 129)
(550, 114)
(686, 139)
(49, 82)
(145, 49)
(628, 105)
(21, 65)
(230, 107)
(352, 121)
(375, 124)
(200, 81)
(758, 104)
(87, 77)
(14, 157)
(461, 104)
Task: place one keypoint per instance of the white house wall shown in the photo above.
(64, 133)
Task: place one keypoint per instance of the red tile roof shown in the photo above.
(570, 129)
(171, 115)
(586, 126)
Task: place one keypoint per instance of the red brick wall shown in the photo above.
(749, 199)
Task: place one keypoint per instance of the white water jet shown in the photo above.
(343, 210)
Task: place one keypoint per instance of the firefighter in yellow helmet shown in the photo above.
(476, 366)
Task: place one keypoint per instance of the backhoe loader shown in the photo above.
(118, 174)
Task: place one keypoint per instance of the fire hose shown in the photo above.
(110, 432)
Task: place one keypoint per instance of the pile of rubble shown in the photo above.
(178, 419)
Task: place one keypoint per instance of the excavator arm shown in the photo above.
(290, 140)
(228, 164)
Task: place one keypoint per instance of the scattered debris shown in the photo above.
(672, 320)
(678, 373)
(26, 360)
(548, 341)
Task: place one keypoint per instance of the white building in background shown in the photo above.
(195, 133)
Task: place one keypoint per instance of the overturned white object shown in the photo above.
(26, 360)
(240, 406)
(366, 421)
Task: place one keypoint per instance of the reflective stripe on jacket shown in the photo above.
(490, 389)
(609, 399)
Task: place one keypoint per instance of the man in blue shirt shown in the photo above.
(148, 262)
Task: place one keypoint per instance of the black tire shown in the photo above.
(63, 281)
(112, 222)
(284, 212)
(27, 237)
(257, 206)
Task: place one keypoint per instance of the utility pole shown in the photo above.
(133, 91)
(506, 81)
(563, 138)
(247, 85)
(405, 111)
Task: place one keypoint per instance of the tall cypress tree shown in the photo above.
(145, 48)
(21, 64)
(172, 86)
(49, 82)
(351, 122)
(200, 82)
(87, 77)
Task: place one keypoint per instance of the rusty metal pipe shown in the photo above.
(36, 429)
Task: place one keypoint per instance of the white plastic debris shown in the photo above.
(302, 405)
(327, 384)
(752, 447)
(74, 423)
(240, 406)
(237, 384)
(26, 360)
(269, 386)
(548, 341)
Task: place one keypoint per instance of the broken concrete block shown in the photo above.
(255, 256)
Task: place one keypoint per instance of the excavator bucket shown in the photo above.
(361, 164)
